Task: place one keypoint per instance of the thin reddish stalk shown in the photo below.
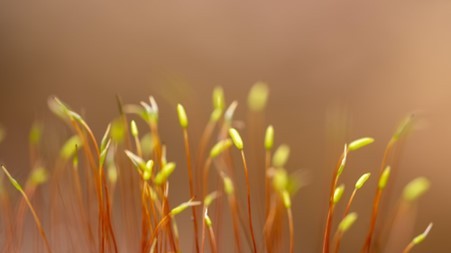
(213, 244)
(191, 186)
(291, 228)
(249, 208)
(377, 198)
(348, 205)
(330, 212)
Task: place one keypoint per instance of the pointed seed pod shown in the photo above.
(236, 138)
(183, 119)
(384, 178)
(220, 147)
(286, 199)
(269, 137)
(347, 222)
(258, 96)
(420, 238)
(134, 129)
(164, 174)
(362, 180)
(281, 155)
(416, 188)
(360, 143)
(228, 186)
(338, 193)
(182, 207)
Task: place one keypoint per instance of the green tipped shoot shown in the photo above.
(404, 127)
(338, 193)
(258, 96)
(210, 197)
(39, 176)
(343, 161)
(281, 156)
(218, 98)
(35, 135)
(207, 220)
(69, 147)
(136, 160)
(362, 180)
(105, 138)
(420, 238)
(103, 153)
(164, 174)
(183, 118)
(228, 115)
(347, 222)
(286, 199)
(416, 188)
(112, 174)
(360, 143)
(236, 138)
(117, 131)
(269, 137)
(280, 180)
(228, 186)
(182, 207)
(134, 129)
(12, 180)
(147, 173)
(384, 178)
(220, 147)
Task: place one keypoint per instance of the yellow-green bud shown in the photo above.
(39, 176)
(35, 133)
(136, 160)
(218, 98)
(207, 220)
(281, 155)
(134, 129)
(360, 143)
(220, 147)
(183, 119)
(338, 193)
(286, 199)
(269, 137)
(112, 174)
(12, 180)
(164, 174)
(258, 96)
(362, 180)
(182, 207)
(384, 178)
(228, 186)
(416, 188)
(209, 198)
(280, 180)
(236, 138)
(420, 238)
(68, 148)
(347, 222)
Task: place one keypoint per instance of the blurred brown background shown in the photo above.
(361, 66)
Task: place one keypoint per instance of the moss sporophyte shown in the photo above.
(116, 195)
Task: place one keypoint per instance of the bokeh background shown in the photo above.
(336, 71)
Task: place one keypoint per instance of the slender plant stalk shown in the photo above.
(213, 244)
(33, 212)
(191, 185)
(291, 228)
(249, 208)
(367, 246)
(330, 212)
(348, 205)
